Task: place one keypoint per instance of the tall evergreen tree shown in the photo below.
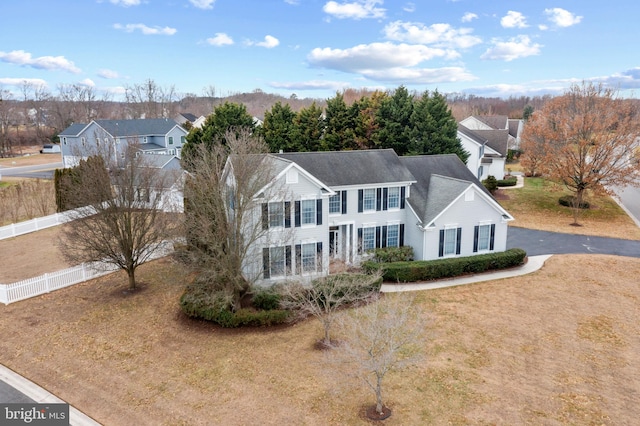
(277, 128)
(394, 116)
(308, 128)
(339, 125)
(366, 125)
(434, 129)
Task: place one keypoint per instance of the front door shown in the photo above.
(334, 244)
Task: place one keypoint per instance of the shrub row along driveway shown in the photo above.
(543, 242)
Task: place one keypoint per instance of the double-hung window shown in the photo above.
(369, 200)
(335, 203)
(368, 238)
(276, 214)
(393, 197)
(170, 140)
(393, 235)
(276, 261)
(308, 210)
(309, 256)
(450, 239)
(484, 236)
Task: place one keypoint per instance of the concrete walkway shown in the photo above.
(15, 388)
(533, 264)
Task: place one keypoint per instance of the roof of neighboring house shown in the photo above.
(73, 130)
(161, 161)
(188, 116)
(440, 180)
(118, 128)
(344, 168)
(496, 139)
(514, 125)
(493, 121)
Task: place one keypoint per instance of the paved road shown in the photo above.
(42, 171)
(542, 242)
(10, 395)
(630, 199)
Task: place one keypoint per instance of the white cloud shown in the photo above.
(52, 63)
(468, 17)
(311, 85)
(220, 39)
(358, 9)
(37, 82)
(292, 2)
(87, 82)
(269, 42)
(109, 74)
(409, 7)
(376, 56)
(203, 4)
(146, 30)
(420, 75)
(517, 47)
(513, 20)
(440, 35)
(562, 18)
(126, 3)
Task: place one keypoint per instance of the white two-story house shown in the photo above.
(154, 136)
(338, 206)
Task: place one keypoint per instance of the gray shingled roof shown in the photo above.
(514, 125)
(73, 130)
(493, 121)
(140, 127)
(440, 179)
(497, 140)
(342, 168)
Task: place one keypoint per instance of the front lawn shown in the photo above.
(536, 206)
(534, 349)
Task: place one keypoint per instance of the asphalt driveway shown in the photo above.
(543, 242)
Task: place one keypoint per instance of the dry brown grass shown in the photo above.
(558, 346)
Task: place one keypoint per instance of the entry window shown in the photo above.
(308, 208)
(368, 239)
(369, 200)
(309, 256)
(393, 200)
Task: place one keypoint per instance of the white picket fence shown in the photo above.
(34, 225)
(49, 282)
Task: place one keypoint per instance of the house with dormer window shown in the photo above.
(336, 207)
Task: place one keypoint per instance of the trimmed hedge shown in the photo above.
(199, 301)
(447, 268)
(393, 254)
(511, 181)
(569, 200)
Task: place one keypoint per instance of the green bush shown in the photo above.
(491, 183)
(393, 254)
(447, 268)
(510, 181)
(569, 201)
(200, 301)
(266, 299)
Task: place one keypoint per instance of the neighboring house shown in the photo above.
(488, 139)
(171, 178)
(182, 118)
(158, 136)
(325, 207)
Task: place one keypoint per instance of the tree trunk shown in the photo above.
(379, 395)
(132, 278)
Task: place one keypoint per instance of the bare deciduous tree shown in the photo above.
(379, 337)
(222, 211)
(128, 225)
(326, 296)
(588, 136)
(149, 100)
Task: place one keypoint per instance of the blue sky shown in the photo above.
(314, 48)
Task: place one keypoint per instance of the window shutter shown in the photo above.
(403, 192)
(383, 243)
(298, 259)
(385, 198)
(378, 237)
(401, 236)
(287, 214)
(265, 263)
(378, 199)
(265, 216)
(458, 240)
(493, 235)
(287, 260)
(319, 254)
(360, 200)
(359, 240)
(343, 195)
(296, 213)
(476, 230)
(441, 247)
(319, 211)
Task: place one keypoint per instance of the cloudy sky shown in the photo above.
(314, 48)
